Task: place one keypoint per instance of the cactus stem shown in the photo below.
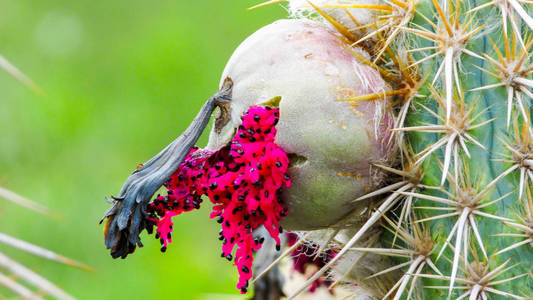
(422, 246)
(525, 225)
(521, 12)
(479, 280)
(521, 154)
(512, 71)
(451, 41)
(467, 203)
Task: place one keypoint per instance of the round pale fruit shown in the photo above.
(331, 143)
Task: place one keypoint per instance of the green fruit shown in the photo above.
(332, 143)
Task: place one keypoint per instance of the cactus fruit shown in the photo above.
(311, 70)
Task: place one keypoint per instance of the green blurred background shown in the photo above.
(123, 79)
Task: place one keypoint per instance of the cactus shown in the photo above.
(457, 214)
(454, 216)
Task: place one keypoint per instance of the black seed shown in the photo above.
(278, 164)
(252, 170)
(242, 134)
(163, 249)
(162, 241)
(267, 193)
(278, 247)
(252, 139)
(245, 269)
(279, 191)
(257, 118)
(280, 229)
(246, 217)
(247, 226)
(213, 186)
(157, 235)
(251, 131)
(240, 151)
(229, 257)
(244, 290)
(261, 240)
(169, 236)
(286, 177)
(217, 197)
(220, 220)
(232, 240)
(227, 224)
(220, 238)
(259, 167)
(241, 198)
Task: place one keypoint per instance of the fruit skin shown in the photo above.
(335, 142)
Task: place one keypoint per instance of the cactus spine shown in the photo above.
(458, 211)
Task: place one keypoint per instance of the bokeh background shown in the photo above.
(122, 78)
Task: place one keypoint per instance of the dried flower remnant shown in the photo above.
(243, 180)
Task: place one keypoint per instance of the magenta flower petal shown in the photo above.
(243, 180)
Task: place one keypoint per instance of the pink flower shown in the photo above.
(243, 180)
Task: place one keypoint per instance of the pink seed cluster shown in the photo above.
(243, 180)
(306, 255)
